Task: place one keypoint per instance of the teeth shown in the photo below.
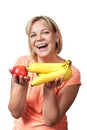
(41, 45)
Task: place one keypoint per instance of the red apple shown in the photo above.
(19, 70)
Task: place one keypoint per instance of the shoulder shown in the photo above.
(23, 60)
(76, 76)
(75, 69)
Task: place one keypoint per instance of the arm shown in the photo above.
(17, 102)
(54, 107)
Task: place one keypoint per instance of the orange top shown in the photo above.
(32, 118)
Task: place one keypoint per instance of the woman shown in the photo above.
(43, 107)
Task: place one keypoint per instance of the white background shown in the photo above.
(71, 17)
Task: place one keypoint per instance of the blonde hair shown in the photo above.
(52, 24)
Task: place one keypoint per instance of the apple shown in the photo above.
(19, 70)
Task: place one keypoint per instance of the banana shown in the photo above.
(66, 72)
(46, 67)
(55, 70)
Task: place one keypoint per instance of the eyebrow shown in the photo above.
(41, 30)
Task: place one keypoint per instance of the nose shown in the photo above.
(39, 37)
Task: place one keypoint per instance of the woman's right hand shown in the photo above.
(17, 102)
(20, 80)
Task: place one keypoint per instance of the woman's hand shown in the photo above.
(54, 83)
(17, 102)
(21, 80)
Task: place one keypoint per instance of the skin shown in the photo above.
(40, 34)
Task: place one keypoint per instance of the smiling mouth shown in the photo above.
(42, 45)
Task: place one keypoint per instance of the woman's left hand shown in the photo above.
(57, 82)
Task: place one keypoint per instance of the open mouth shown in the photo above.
(39, 46)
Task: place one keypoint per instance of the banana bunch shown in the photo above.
(47, 72)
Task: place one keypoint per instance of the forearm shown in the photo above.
(17, 100)
(50, 107)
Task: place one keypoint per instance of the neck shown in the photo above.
(46, 59)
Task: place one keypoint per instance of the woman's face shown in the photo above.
(42, 39)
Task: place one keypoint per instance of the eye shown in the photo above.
(46, 32)
(32, 35)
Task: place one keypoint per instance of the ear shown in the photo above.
(57, 37)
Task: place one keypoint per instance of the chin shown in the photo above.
(43, 55)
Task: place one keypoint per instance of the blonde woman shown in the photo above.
(43, 107)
